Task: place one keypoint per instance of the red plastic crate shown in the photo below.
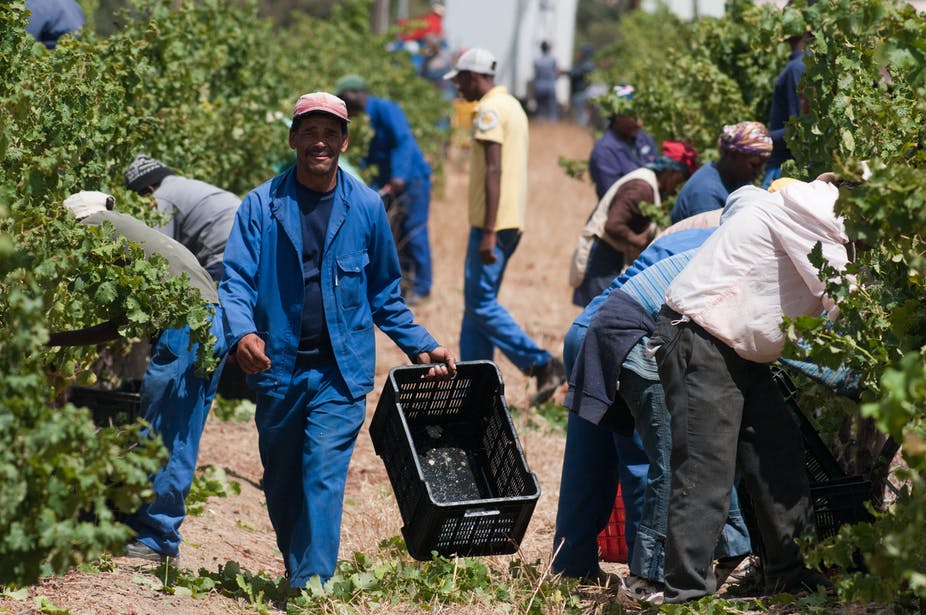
(612, 544)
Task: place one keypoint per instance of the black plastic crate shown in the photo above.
(819, 462)
(840, 502)
(118, 407)
(455, 462)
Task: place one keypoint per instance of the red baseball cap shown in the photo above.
(320, 102)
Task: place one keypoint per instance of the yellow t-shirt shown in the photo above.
(499, 118)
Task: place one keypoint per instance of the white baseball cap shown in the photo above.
(475, 60)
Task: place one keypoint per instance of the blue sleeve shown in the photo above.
(384, 294)
(842, 380)
(662, 248)
(697, 200)
(652, 254)
(403, 142)
(238, 290)
(791, 84)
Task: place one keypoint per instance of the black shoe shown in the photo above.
(549, 376)
(139, 550)
(801, 581)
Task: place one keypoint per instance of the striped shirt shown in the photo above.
(648, 288)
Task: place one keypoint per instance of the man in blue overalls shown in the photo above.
(403, 173)
(310, 267)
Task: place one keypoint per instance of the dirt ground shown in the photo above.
(237, 528)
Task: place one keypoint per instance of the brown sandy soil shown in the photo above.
(236, 528)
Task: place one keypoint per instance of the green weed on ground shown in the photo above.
(365, 583)
(209, 481)
(548, 416)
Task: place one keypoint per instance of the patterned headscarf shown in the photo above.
(676, 155)
(746, 138)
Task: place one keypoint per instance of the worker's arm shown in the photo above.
(98, 334)
(493, 156)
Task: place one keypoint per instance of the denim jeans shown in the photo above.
(727, 414)
(594, 462)
(486, 324)
(646, 400)
(176, 401)
(306, 440)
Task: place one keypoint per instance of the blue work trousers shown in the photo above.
(175, 400)
(306, 440)
(486, 324)
(413, 245)
(594, 462)
(647, 403)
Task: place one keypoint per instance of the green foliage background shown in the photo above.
(203, 86)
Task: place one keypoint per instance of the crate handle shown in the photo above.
(473, 512)
(424, 376)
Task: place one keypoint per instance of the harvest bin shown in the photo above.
(612, 542)
(836, 499)
(118, 407)
(454, 461)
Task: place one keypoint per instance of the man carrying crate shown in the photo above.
(310, 267)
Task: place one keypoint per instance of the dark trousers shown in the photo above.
(726, 412)
(414, 247)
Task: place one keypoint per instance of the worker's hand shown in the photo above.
(396, 186)
(487, 248)
(445, 364)
(250, 354)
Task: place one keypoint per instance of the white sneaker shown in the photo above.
(641, 590)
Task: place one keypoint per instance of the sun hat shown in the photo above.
(475, 60)
(780, 183)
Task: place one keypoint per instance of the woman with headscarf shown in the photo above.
(617, 231)
(744, 150)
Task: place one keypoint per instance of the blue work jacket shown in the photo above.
(393, 148)
(262, 290)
